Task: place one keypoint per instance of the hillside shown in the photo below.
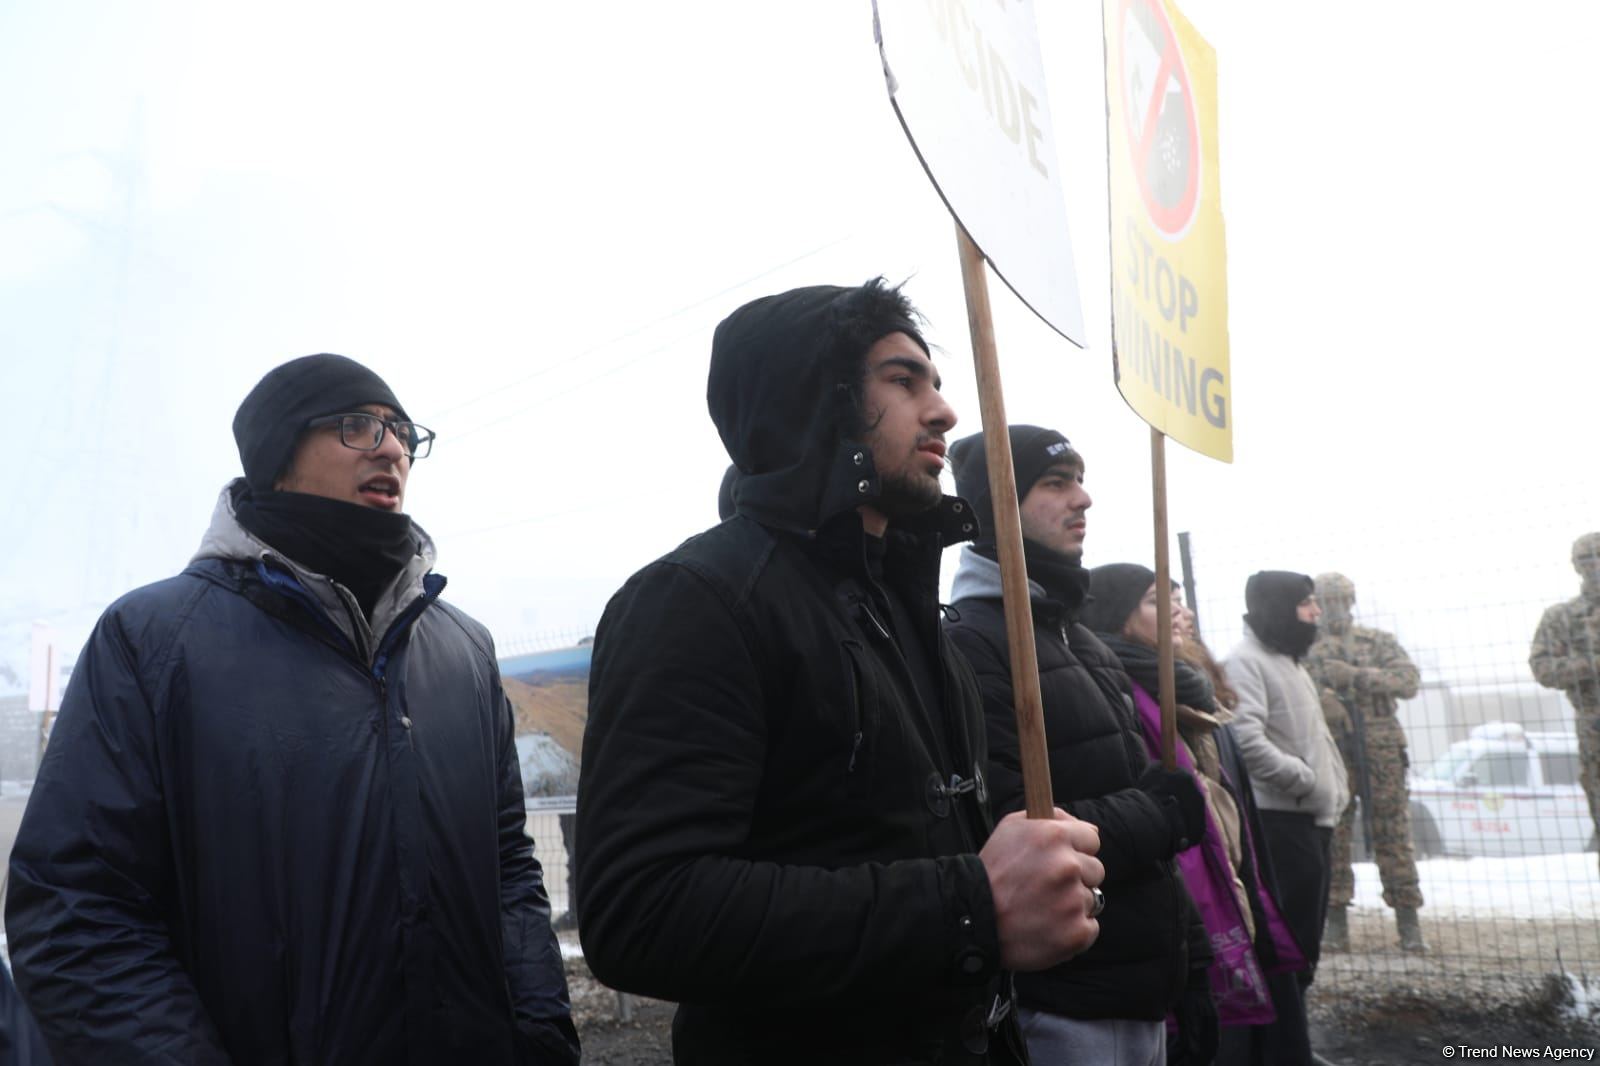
(558, 706)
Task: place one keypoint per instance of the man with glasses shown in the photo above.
(280, 818)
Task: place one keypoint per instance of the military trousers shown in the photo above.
(1391, 822)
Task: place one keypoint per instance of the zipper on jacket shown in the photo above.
(430, 592)
(358, 624)
(432, 585)
(866, 608)
(857, 699)
(958, 785)
(287, 586)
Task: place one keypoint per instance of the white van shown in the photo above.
(1503, 791)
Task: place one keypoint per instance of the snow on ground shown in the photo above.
(1531, 886)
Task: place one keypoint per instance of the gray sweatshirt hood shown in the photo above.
(225, 538)
(978, 578)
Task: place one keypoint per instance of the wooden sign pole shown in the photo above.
(1169, 699)
(1008, 534)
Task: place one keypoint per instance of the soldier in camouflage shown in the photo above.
(1566, 655)
(1363, 673)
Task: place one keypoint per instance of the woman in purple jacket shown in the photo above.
(1227, 876)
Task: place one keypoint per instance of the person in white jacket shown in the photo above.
(1295, 772)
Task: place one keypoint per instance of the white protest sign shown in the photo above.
(967, 81)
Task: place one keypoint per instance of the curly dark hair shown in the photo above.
(858, 320)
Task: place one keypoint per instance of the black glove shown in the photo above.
(1180, 800)
(1196, 1044)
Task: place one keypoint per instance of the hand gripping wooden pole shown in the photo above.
(1008, 533)
(1168, 695)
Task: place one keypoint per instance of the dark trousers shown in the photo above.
(1300, 854)
(1299, 851)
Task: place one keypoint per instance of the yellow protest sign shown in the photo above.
(1169, 279)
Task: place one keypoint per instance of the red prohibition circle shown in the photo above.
(1155, 131)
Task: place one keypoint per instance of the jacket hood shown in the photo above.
(978, 578)
(225, 538)
(1271, 599)
(783, 400)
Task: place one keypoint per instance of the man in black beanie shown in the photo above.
(1296, 774)
(782, 806)
(1108, 1005)
(280, 818)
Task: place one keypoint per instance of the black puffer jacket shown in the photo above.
(257, 836)
(1137, 966)
(770, 836)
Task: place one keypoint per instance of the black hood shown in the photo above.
(784, 392)
(1271, 599)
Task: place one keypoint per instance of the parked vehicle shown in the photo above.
(1503, 791)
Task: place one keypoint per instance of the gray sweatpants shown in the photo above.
(1057, 1041)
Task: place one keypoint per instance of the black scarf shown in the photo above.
(362, 548)
(1193, 688)
(1062, 577)
(1289, 636)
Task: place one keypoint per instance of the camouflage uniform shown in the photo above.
(1566, 655)
(1367, 672)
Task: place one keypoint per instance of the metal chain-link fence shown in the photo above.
(1487, 793)
(1507, 878)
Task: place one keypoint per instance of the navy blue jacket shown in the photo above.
(251, 841)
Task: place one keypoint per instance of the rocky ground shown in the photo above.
(1391, 1017)
(1398, 1029)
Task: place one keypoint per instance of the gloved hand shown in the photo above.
(1196, 1044)
(1180, 800)
(1335, 713)
(1338, 673)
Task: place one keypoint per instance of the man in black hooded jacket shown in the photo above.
(782, 807)
(1109, 1004)
(280, 819)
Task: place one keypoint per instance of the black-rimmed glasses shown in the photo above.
(364, 432)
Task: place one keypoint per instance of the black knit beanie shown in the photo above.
(1115, 591)
(1033, 451)
(270, 419)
